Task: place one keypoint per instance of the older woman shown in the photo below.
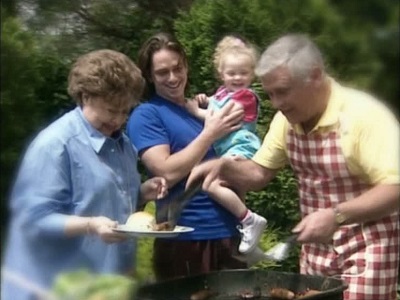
(171, 142)
(77, 181)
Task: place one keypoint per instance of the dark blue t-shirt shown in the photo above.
(162, 122)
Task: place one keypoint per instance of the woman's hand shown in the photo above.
(219, 123)
(103, 228)
(153, 189)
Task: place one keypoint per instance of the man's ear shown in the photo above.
(316, 74)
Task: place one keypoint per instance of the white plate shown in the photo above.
(151, 233)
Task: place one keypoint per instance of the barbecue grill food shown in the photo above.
(280, 293)
(307, 294)
(202, 295)
(254, 293)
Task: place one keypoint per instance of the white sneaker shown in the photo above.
(251, 233)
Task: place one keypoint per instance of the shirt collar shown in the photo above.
(331, 113)
(332, 110)
(165, 102)
(96, 138)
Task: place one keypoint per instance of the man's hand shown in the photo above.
(317, 227)
(209, 170)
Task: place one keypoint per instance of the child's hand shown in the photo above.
(202, 100)
(198, 106)
(192, 106)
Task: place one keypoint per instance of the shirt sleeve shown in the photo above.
(145, 128)
(42, 193)
(272, 153)
(249, 102)
(374, 144)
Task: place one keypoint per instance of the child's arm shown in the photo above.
(202, 99)
(196, 106)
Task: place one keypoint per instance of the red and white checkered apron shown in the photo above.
(365, 256)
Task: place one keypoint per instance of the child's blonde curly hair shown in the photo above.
(231, 44)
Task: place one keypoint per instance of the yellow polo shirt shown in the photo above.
(369, 136)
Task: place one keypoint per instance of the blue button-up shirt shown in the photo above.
(69, 169)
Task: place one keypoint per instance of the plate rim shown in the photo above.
(184, 229)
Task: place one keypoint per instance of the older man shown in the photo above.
(343, 146)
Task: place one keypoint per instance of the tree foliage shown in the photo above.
(80, 26)
(19, 76)
(32, 92)
(261, 22)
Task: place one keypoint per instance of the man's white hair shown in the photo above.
(295, 51)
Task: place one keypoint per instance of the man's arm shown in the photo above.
(244, 174)
(174, 166)
(376, 203)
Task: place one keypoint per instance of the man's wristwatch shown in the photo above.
(340, 218)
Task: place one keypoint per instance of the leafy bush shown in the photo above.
(144, 269)
(82, 284)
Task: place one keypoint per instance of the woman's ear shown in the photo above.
(85, 98)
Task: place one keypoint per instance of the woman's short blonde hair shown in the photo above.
(107, 74)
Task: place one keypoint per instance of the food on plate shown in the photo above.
(164, 226)
(202, 294)
(143, 221)
(281, 293)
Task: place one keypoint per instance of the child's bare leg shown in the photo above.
(252, 224)
(228, 199)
